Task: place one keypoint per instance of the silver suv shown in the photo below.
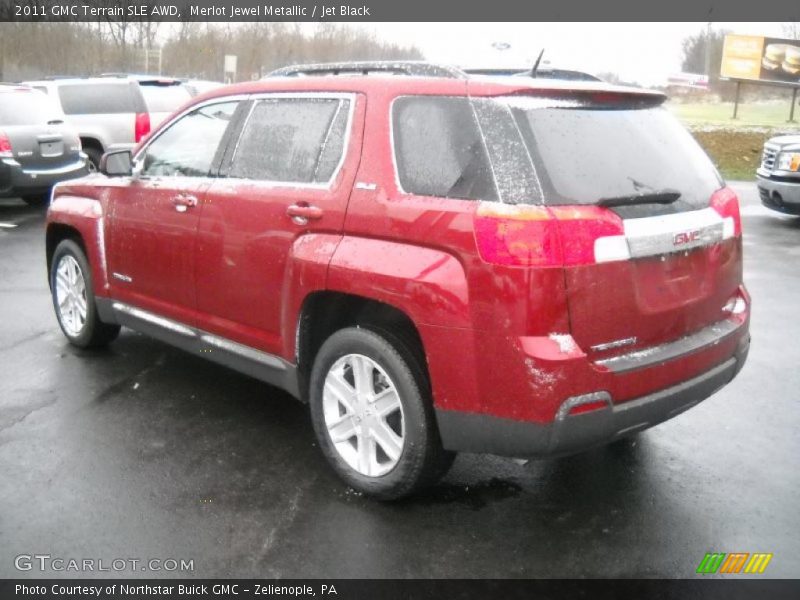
(114, 110)
(37, 148)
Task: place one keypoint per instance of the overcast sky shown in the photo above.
(644, 52)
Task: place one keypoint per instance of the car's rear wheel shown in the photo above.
(372, 414)
(73, 298)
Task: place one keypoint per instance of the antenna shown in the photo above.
(536, 64)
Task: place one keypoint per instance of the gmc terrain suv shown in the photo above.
(434, 262)
(778, 177)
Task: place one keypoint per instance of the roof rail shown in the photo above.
(410, 68)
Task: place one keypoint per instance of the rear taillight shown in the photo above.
(726, 203)
(528, 236)
(141, 126)
(5, 146)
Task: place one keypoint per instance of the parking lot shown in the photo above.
(145, 451)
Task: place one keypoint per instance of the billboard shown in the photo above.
(758, 58)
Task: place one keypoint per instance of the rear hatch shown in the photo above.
(36, 130)
(639, 218)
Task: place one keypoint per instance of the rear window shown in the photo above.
(585, 154)
(27, 108)
(439, 149)
(164, 98)
(547, 151)
(100, 98)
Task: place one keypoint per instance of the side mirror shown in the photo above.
(117, 163)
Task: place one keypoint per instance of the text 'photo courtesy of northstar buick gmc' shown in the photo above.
(435, 262)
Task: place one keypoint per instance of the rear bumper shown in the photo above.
(783, 196)
(482, 433)
(17, 180)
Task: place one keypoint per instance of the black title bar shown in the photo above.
(407, 10)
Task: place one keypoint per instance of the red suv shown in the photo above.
(434, 262)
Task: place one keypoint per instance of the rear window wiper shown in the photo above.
(55, 122)
(659, 197)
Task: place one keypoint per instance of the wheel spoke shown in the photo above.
(343, 430)
(62, 280)
(80, 303)
(386, 402)
(336, 386)
(362, 374)
(389, 441)
(366, 452)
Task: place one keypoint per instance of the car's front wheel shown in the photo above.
(372, 415)
(73, 298)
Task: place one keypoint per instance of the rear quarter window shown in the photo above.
(100, 98)
(439, 150)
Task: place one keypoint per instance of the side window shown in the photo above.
(100, 98)
(292, 140)
(188, 146)
(440, 150)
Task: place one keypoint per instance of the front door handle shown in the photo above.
(182, 202)
(302, 212)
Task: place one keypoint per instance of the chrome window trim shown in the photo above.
(327, 185)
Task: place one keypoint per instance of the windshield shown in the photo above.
(28, 108)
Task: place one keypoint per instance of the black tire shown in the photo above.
(37, 199)
(94, 332)
(422, 460)
(94, 154)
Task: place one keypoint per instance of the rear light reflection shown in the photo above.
(5, 146)
(588, 407)
(141, 126)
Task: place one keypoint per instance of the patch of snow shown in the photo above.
(566, 344)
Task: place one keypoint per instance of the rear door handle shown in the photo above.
(302, 212)
(183, 202)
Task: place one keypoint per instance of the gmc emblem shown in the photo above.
(686, 237)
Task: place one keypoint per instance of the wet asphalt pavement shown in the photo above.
(143, 451)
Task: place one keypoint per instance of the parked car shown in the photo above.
(37, 148)
(114, 110)
(435, 263)
(778, 177)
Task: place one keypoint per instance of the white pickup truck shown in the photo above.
(778, 177)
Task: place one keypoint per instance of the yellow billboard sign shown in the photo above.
(758, 58)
